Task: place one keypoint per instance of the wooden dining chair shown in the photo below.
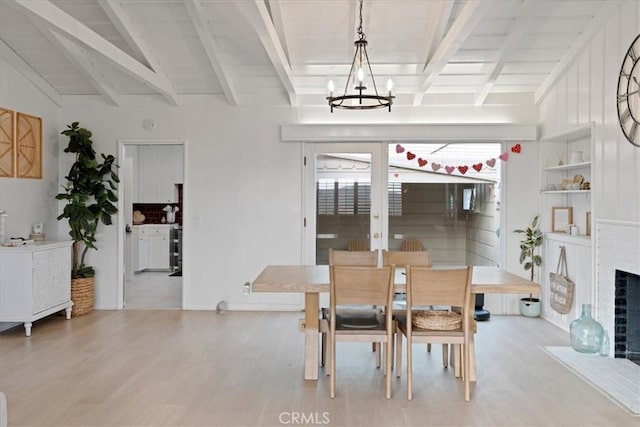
(358, 245)
(357, 259)
(411, 245)
(361, 285)
(403, 259)
(450, 287)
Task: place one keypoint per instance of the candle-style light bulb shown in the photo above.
(360, 75)
(331, 86)
(389, 86)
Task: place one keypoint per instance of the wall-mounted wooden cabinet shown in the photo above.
(160, 168)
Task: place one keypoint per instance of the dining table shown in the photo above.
(312, 280)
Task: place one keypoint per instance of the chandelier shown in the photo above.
(360, 63)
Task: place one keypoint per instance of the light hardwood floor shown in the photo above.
(195, 368)
(153, 290)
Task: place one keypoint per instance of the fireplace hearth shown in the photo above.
(627, 316)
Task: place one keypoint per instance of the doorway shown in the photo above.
(151, 207)
(387, 194)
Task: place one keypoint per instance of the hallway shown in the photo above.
(153, 291)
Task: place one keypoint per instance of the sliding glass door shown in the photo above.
(343, 200)
(434, 205)
(404, 196)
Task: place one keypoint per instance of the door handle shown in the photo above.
(376, 235)
(127, 229)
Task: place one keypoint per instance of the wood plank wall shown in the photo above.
(433, 214)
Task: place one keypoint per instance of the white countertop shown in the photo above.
(40, 245)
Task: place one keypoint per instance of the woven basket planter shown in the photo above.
(82, 295)
(436, 320)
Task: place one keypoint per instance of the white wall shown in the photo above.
(243, 186)
(28, 201)
(242, 196)
(587, 93)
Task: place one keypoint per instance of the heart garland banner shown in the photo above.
(462, 169)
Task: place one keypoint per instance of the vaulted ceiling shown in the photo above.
(283, 52)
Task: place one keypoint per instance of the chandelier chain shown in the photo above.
(361, 33)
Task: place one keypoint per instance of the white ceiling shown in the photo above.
(283, 52)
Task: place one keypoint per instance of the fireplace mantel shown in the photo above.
(617, 248)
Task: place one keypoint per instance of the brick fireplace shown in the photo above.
(617, 262)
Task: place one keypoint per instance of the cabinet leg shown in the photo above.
(27, 328)
(68, 312)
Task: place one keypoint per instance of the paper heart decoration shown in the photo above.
(421, 162)
(449, 169)
(399, 148)
(435, 166)
(396, 174)
(504, 156)
(516, 148)
(478, 167)
(491, 162)
(410, 155)
(463, 169)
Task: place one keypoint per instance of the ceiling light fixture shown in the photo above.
(359, 100)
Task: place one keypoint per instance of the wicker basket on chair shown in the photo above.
(436, 320)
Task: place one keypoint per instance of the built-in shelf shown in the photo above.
(568, 167)
(564, 191)
(570, 135)
(580, 239)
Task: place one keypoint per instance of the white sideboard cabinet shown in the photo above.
(35, 281)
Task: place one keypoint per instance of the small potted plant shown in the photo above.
(530, 307)
(90, 196)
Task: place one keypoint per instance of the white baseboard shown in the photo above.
(246, 307)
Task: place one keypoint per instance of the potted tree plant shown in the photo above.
(530, 307)
(90, 196)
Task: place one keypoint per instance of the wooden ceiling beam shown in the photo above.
(129, 31)
(64, 23)
(81, 59)
(277, 15)
(258, 16)
(469, 17)
(437, 31)
(197, 14)
(29, 73)
(521, 25)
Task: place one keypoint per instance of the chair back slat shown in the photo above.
(357, 245)
(362, 259)
(427, 286)
(402, 259)
(360, 285)
(411, 245)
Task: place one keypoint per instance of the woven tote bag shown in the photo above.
(562, 288)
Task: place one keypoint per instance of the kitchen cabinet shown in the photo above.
(153, 246)
(159, 248)
(140, 248)
(159, 170)
(35, 281)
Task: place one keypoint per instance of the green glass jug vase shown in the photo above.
(586, 333)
